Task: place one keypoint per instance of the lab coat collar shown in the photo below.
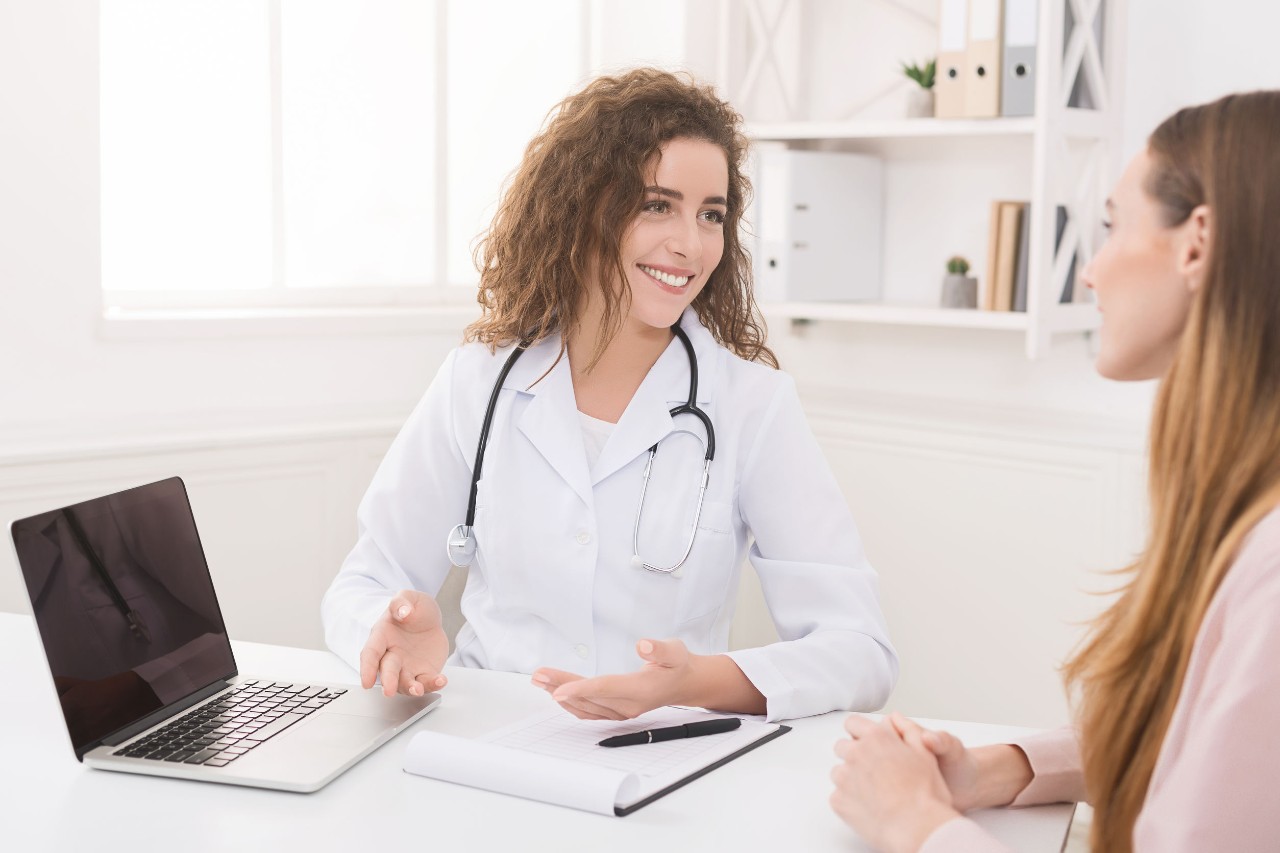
(647, 419)
(551, 421)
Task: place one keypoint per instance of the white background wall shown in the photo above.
(987, 488)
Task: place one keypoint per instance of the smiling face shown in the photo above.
(677, 239)
(1143, 280)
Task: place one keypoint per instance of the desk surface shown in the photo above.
(774, 798)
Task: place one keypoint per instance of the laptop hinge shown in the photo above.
(120, 736)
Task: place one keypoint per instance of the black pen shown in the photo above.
(704, 727)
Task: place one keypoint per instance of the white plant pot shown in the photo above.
(919, 102)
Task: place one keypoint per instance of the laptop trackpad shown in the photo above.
(341, 731)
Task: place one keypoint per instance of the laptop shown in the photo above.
(142, 664)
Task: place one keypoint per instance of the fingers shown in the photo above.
(943, 744)
(858, 726)
(551, 679)
(413, 611)
(668, 653)
(909, 730)
(389, 671)
(587, 710)
(370, 658)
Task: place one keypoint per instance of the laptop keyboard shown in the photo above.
(218, 733)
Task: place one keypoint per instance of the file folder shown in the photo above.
(1018, 77)
(819, 217)
(984, 59)
(953, 37)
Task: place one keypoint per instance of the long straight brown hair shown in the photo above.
(1214, 448)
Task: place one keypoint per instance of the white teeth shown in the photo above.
(667, 278)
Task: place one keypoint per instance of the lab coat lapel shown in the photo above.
(647, 419)
(550, 421)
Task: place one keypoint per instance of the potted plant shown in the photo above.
(920, 97)
(959, 289)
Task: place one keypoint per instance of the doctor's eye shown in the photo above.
(656, 205)
(716, 216)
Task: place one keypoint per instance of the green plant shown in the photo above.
(957, 265)
(923, 75)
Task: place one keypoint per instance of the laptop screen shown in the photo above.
(122, 596)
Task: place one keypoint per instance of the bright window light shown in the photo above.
(316, 152)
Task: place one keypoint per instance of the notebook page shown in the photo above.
(553, 757)
(654, 766)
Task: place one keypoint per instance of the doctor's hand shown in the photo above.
(407, 646)
(668, 677)
(888, 786)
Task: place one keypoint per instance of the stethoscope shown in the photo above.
(461, 545)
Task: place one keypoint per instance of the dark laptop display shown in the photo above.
(122, 595)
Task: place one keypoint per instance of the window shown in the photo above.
(316, 152)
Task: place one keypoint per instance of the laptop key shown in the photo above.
(180, 755)
(217, 762)
(202, 756)
(274, 728)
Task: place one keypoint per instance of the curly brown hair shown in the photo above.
(575, 194)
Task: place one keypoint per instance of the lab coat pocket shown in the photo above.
(707, 574)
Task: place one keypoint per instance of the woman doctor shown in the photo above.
(614, 264)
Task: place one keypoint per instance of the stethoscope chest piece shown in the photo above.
(462, 546)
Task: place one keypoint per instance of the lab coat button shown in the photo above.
(582, 651)
(583, 537)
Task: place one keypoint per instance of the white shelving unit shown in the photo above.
(1063, 156)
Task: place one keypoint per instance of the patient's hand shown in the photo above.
(978, 778)
(668, 677)
(407, 646)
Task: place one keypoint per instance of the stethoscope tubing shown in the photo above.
(461, 544)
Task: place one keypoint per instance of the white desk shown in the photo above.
(772, 799)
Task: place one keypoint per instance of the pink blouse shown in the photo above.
(1216, 784)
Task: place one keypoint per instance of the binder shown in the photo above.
(953, 36)
(984, 59)
(1061, 218)
(816, 210)
(1018, 77)
(988, 284)
(1006, 269)
(1024, 260)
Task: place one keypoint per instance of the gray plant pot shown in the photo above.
(959, 291)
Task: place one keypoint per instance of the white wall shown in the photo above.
(987, 488)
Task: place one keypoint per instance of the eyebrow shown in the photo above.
(679, 196)
(1110, 205)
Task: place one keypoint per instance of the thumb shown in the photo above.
(944, 745)
(662, 652)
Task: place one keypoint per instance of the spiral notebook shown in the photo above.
(553, 757)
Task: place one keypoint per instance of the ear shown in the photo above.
(1194, 246)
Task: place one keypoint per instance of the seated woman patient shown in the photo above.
(614, 436)
(1179, 681)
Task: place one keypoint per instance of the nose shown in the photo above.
(684, 238)
(1086, 274)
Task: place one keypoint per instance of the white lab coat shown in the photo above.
(553, 583)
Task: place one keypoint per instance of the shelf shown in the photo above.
(890, 129)
(900, 315)
(1075, 317)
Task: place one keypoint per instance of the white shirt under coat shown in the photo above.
(553, 584)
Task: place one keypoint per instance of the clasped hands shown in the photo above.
(897, 782)
(407, 648)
